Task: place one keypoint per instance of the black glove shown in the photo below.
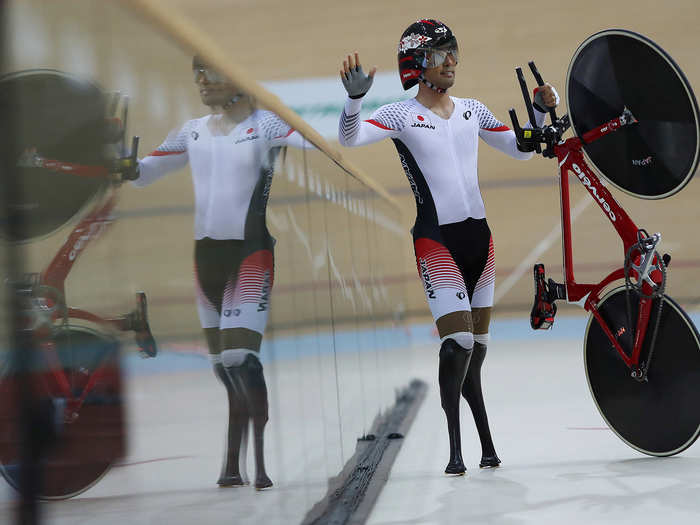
(127, 167)
(523, 144)
(356, 83)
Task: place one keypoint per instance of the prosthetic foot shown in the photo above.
(249, 376)
(471, 390)
(454, 361)
(237, 425)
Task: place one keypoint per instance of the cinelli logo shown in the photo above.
(426, 279)
(593, 191)
(95, 229)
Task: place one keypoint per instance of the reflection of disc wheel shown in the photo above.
(616, 69)
(659, 417)
(63, 117)
(87, 447)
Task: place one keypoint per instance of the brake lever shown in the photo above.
(124, 116)
(528, 102)
(134, 148)
(524, 136)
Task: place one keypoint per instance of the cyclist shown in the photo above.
(231, 152)
(436, 137)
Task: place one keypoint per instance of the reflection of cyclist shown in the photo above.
(231, 153)
(436, 137)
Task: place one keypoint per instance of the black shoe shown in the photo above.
(489, 462)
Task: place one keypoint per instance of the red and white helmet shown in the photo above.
(417, 43)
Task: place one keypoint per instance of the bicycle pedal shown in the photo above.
(142, 331)
(543, 308)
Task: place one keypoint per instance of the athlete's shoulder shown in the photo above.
(176, 141)
(190, 126)
(270, 124)
(393, 115)
(468, 103)
(478, 110)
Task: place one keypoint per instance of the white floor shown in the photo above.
(560, 465)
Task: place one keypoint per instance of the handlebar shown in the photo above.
(532, 139)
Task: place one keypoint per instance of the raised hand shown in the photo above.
(356, 83)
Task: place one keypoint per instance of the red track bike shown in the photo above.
(74, 366)
(635, 119)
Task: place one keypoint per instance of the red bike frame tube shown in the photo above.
(118, 323)
(88, 229)
(606, 330)
(603, 130)
(55, 274)
(570, 157)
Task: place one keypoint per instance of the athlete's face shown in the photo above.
(214, 88)
(443, 76)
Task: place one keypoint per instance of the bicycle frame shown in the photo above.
(570, 157)
(92, 226)
(88, 229)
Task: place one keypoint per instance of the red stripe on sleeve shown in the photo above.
(291, 130)
(157, 153)
(499, 128)
(372, 121)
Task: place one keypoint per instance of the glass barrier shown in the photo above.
(255, 273)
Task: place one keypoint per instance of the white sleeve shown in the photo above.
(499, 136)
(278, 133)
(170, 156)
(387, 122)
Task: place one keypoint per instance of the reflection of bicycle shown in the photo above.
(75, 363)
(641, 350)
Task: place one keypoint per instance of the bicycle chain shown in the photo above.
(657, 293)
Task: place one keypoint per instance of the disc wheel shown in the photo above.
(616, 69)
(76, 454)
(60, 117)
(659, 417)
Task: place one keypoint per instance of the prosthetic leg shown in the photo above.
(231, 475)
(471, 390)
(249, 378)
(454, 362)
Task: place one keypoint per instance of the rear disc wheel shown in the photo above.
(658, 417)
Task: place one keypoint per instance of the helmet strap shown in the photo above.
(432, 86)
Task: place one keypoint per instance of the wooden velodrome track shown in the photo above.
(278, 40)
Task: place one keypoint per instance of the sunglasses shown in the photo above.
(437, 57)
(212, 76)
